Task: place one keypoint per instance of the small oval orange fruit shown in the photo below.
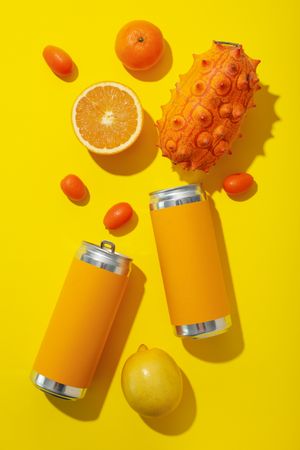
(74, 188)
(58, 60)
(237, 183)
(139, 45)
(117, 215)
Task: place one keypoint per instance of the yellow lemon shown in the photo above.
(152, 382)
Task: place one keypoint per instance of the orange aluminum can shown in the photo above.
(189, 261)
(81, 321)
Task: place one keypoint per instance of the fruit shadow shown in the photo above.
(181, 419)
(72, 76)
(137, 157)
(83, 202)
(159, 70)
(89, 408)
(256, 131)
(127, 227)
(229, 345)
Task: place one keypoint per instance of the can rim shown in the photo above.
(106, 252)
(188, 187)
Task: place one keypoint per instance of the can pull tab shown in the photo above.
(108, 246)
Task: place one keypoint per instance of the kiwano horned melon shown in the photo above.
(206, 109)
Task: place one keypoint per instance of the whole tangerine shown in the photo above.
(139, 45)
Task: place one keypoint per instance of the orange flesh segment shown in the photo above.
(106, 117)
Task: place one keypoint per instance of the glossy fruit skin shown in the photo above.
(58, 60)
(203, 117)
(152, 382)
(139, 45)
(237, 183)
(74, 188)
(117, 215)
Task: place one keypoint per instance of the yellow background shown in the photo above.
(241, 389)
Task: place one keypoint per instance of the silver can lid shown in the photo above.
(105, 257)
(180, 195)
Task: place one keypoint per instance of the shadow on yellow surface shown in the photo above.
(83, 202)
(256, 130)
(127, 227)
(229, 345)
(179, 420)
(89, 408)
(159, 70)
(71, 77)
(74, 75)
(137, 157)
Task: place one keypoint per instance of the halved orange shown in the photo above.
(107, 117)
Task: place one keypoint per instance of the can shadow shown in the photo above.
(229, 345)
(159, 70)
(256, 130)
(89, 408)
(137, 157)
(179, 420)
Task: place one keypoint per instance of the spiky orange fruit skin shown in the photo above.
(206, 109)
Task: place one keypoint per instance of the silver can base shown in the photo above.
(56, 389)
(204, 329)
